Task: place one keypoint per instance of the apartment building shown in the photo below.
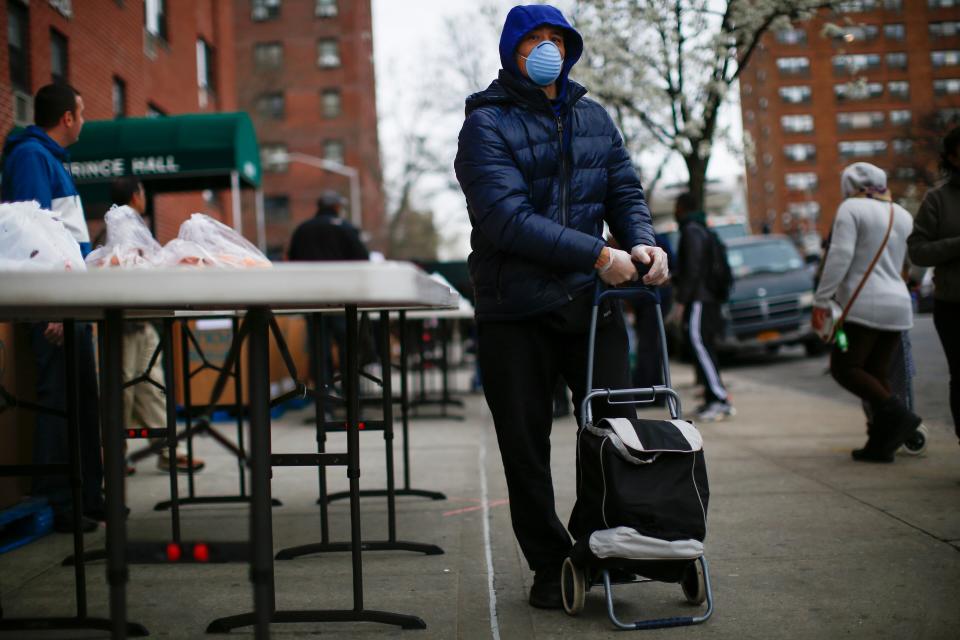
(305, 75)
(872, 80)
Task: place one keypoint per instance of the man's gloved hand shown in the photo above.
(657, 259)
(617, 268)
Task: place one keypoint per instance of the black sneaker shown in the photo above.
(545, 592)
(871, 454)
(63, 522)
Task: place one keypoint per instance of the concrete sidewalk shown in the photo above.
(802, 542)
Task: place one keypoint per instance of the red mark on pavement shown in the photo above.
(492, 503)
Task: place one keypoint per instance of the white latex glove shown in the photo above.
(657, 259)
(619, 269)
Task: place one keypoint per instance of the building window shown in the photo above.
(763, 103)
(948, 87)
(857, 33)
(268, 55)
(804, 210)
(276, 209)
(119, 98)
(791, 36)
(795, 95)
(900, 117)
(274, 158)
(806, 181)
(271, 106)
(153, 111)
(857, 91)
(855, 63)
(330, 103)
(861, 120)
(325, 8)
(896, 60)
(856, 6)
(797, 124)
(894, 31)
(155, 18)
(948, 117)
(943, 4)
(18, 51)
(946, 29)
(904, 173)
(899, 89)
(902, 146)
(328, 53)
(205, 66)
(59, 62)
(333, 150)
(264, 9)
(893, 5)
(794, 66)
(800, 152)
(944, 58)
(862, 148)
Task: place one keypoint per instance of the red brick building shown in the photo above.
(126, 58)
(816, 99)
(305, 75)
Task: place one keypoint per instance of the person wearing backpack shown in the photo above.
(702, 283)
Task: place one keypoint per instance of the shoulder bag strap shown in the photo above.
(863, 281)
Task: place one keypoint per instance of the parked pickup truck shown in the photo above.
(772, 296)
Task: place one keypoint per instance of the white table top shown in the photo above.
(85, 294)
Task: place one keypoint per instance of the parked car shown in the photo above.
(772, 296)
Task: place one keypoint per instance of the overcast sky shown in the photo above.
(404, 32)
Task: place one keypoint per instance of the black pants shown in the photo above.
(864, 370)
(521, 362)
(50, 438)
(946, 318)
(703, 322)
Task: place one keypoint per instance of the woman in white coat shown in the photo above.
(880, 312)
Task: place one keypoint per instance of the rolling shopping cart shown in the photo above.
(641, 494)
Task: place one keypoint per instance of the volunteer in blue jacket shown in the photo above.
(33, 169)
(542, 167)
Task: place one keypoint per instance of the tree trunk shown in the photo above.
(697, 185)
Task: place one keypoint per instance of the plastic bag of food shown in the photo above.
(129, 242)
(32, 239)
(205, 241)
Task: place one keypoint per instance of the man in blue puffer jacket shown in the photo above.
(542, 168)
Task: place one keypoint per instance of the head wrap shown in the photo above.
(865, 180)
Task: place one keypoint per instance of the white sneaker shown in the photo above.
(716, 411)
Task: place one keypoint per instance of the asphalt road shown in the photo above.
(792, 368)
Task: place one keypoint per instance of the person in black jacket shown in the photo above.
(697, 306)
(328, 237)
(542, 168)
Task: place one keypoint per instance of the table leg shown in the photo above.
(171, 405)
(113, 463)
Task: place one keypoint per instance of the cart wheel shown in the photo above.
(694, 586)
(573, 586)
(917, 443)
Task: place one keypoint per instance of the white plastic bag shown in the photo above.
(129, 242)
(205, 241)
(32, 239)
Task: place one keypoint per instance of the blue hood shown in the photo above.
(524, 19)
(35, 134)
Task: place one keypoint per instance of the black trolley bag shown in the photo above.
(642, 492)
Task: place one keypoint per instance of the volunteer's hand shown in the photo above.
(54, 333)
(618, 269)
(657, 259)
(819, 317)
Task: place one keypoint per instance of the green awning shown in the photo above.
(169, 153)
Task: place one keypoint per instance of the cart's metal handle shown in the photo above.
(635, 290)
